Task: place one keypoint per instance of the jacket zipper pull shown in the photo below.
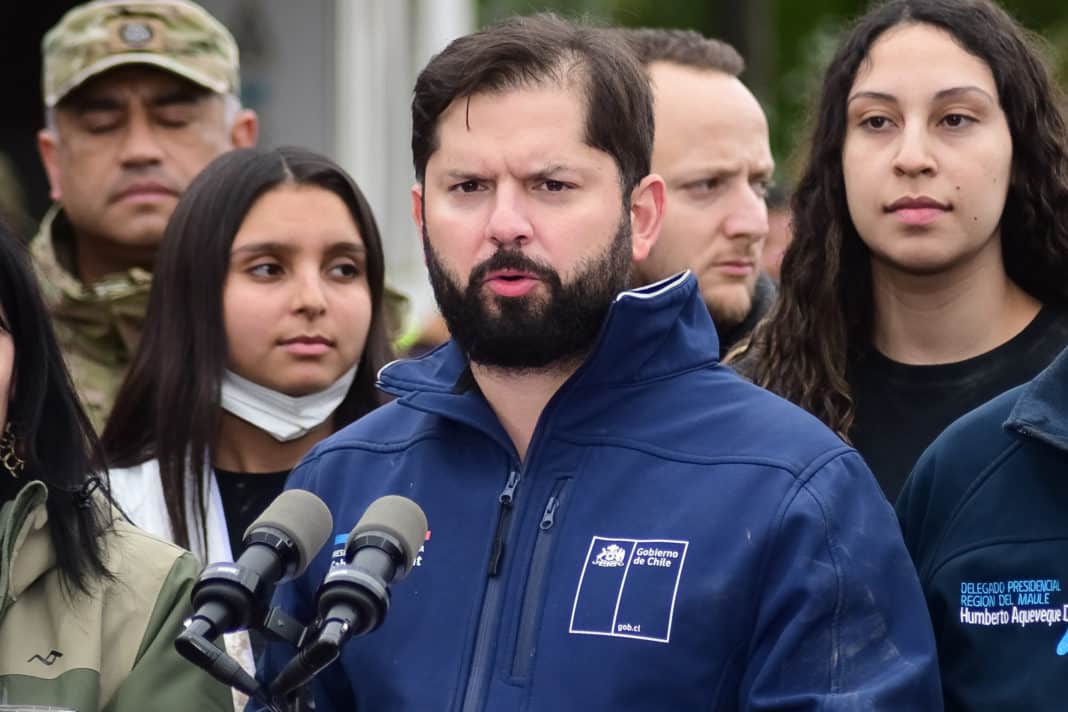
(549, 516)
(506, 497)
(508, 493)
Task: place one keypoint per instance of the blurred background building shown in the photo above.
(336, 76)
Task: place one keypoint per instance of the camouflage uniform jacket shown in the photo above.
(111, 651)
(98, 326)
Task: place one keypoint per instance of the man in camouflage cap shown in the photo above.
(139, 97)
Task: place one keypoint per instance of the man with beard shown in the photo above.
(712, 150)
(139, 97)
(616, 520)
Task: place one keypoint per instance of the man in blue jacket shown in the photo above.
(617, 521)
(985, 515)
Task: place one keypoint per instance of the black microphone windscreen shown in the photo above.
(399, 516)
(304, 519)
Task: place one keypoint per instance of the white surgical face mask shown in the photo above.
(284, 417)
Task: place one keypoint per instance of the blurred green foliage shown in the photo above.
(786, 43)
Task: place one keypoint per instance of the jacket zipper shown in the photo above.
(526, 637)
(487, 632)
(503, 517)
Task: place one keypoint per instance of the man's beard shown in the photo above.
(531, 332)
(731, 309)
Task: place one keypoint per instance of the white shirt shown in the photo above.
(138, 491)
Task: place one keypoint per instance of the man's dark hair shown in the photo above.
(179, 366)
(52, 433)
(535, 50)
(684, 47)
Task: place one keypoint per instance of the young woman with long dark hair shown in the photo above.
(265, 331)
(928, 268)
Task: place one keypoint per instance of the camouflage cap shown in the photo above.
(175, 35)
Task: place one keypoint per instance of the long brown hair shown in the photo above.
(168, 406)
(822, 322)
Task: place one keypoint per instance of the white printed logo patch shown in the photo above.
(628, 587)
(1015, 602)
(611, 556)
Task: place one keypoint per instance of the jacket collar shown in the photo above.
(106, 318)
(649, 333)
(26, 551)
(1041, 412)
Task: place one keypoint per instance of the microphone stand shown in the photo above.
(324, 649)
(351, 602)
(195, 647)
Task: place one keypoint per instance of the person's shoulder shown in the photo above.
(138, 492)
(971, 449)
(1055, 315)
(756, 419)
(389, 426)
(138, 542)
(758, 426)
(96, 381)
(131, 478)
(1042, 339)
(139, 558)
(970, 443)
(708, 415)
(52, 278)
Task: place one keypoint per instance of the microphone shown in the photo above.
(353, 599)
(279, 544)
(381, 549)
(230, 597)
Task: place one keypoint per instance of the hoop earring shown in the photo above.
(8, 457)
